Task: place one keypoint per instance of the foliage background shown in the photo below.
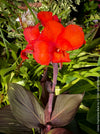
(80, 75)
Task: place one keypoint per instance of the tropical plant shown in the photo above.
(77, 77)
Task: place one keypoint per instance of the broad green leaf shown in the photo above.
(65, 108)
(91, 45)
(69, 85)
(87, 129)
(25, 107)
(88, 80)
(9, 125)
(90, 97)
(82, 86)
(92, 113)
(59, 131)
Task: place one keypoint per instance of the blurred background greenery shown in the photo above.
(80, 75)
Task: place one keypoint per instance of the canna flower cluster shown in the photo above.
(53, 42)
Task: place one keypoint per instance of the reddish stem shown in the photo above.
(52, 93)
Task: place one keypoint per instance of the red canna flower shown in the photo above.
(52, 44)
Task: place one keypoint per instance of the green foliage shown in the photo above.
(80, 75)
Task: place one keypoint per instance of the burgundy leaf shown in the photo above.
(9, 125)
(59, 131)
(25, 107)
(65, 108)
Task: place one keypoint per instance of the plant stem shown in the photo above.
(52, 93)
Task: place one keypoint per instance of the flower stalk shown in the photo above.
(52, 93)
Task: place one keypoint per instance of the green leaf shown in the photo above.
(91, 45)
(77, 2)
(87, 129)
(99, 61)
(82, 86)
(59, 131)
(69, 85)
(38, 85)
(65, 108)
(92, 113)
(9, 125)
(90, 97)
(38, 69)
(25, 107)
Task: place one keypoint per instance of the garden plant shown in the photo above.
(49, 66)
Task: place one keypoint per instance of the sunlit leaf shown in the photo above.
(82, 86)
(9, 125)
(25, 107)
(99, 61)
(65, 108)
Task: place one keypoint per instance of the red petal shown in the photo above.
(75, 35)
(31, 33)
(44, 16)
(24, 54)
(30, 46)
(55, 17)
(41, 52)
(63, 44)
(29, 49)
(59, 57)
(51, 31)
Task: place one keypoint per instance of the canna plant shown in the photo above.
(50, 44)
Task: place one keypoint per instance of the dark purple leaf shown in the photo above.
(59, 131)
(9, 125)
(65, 108)
(25, 107)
